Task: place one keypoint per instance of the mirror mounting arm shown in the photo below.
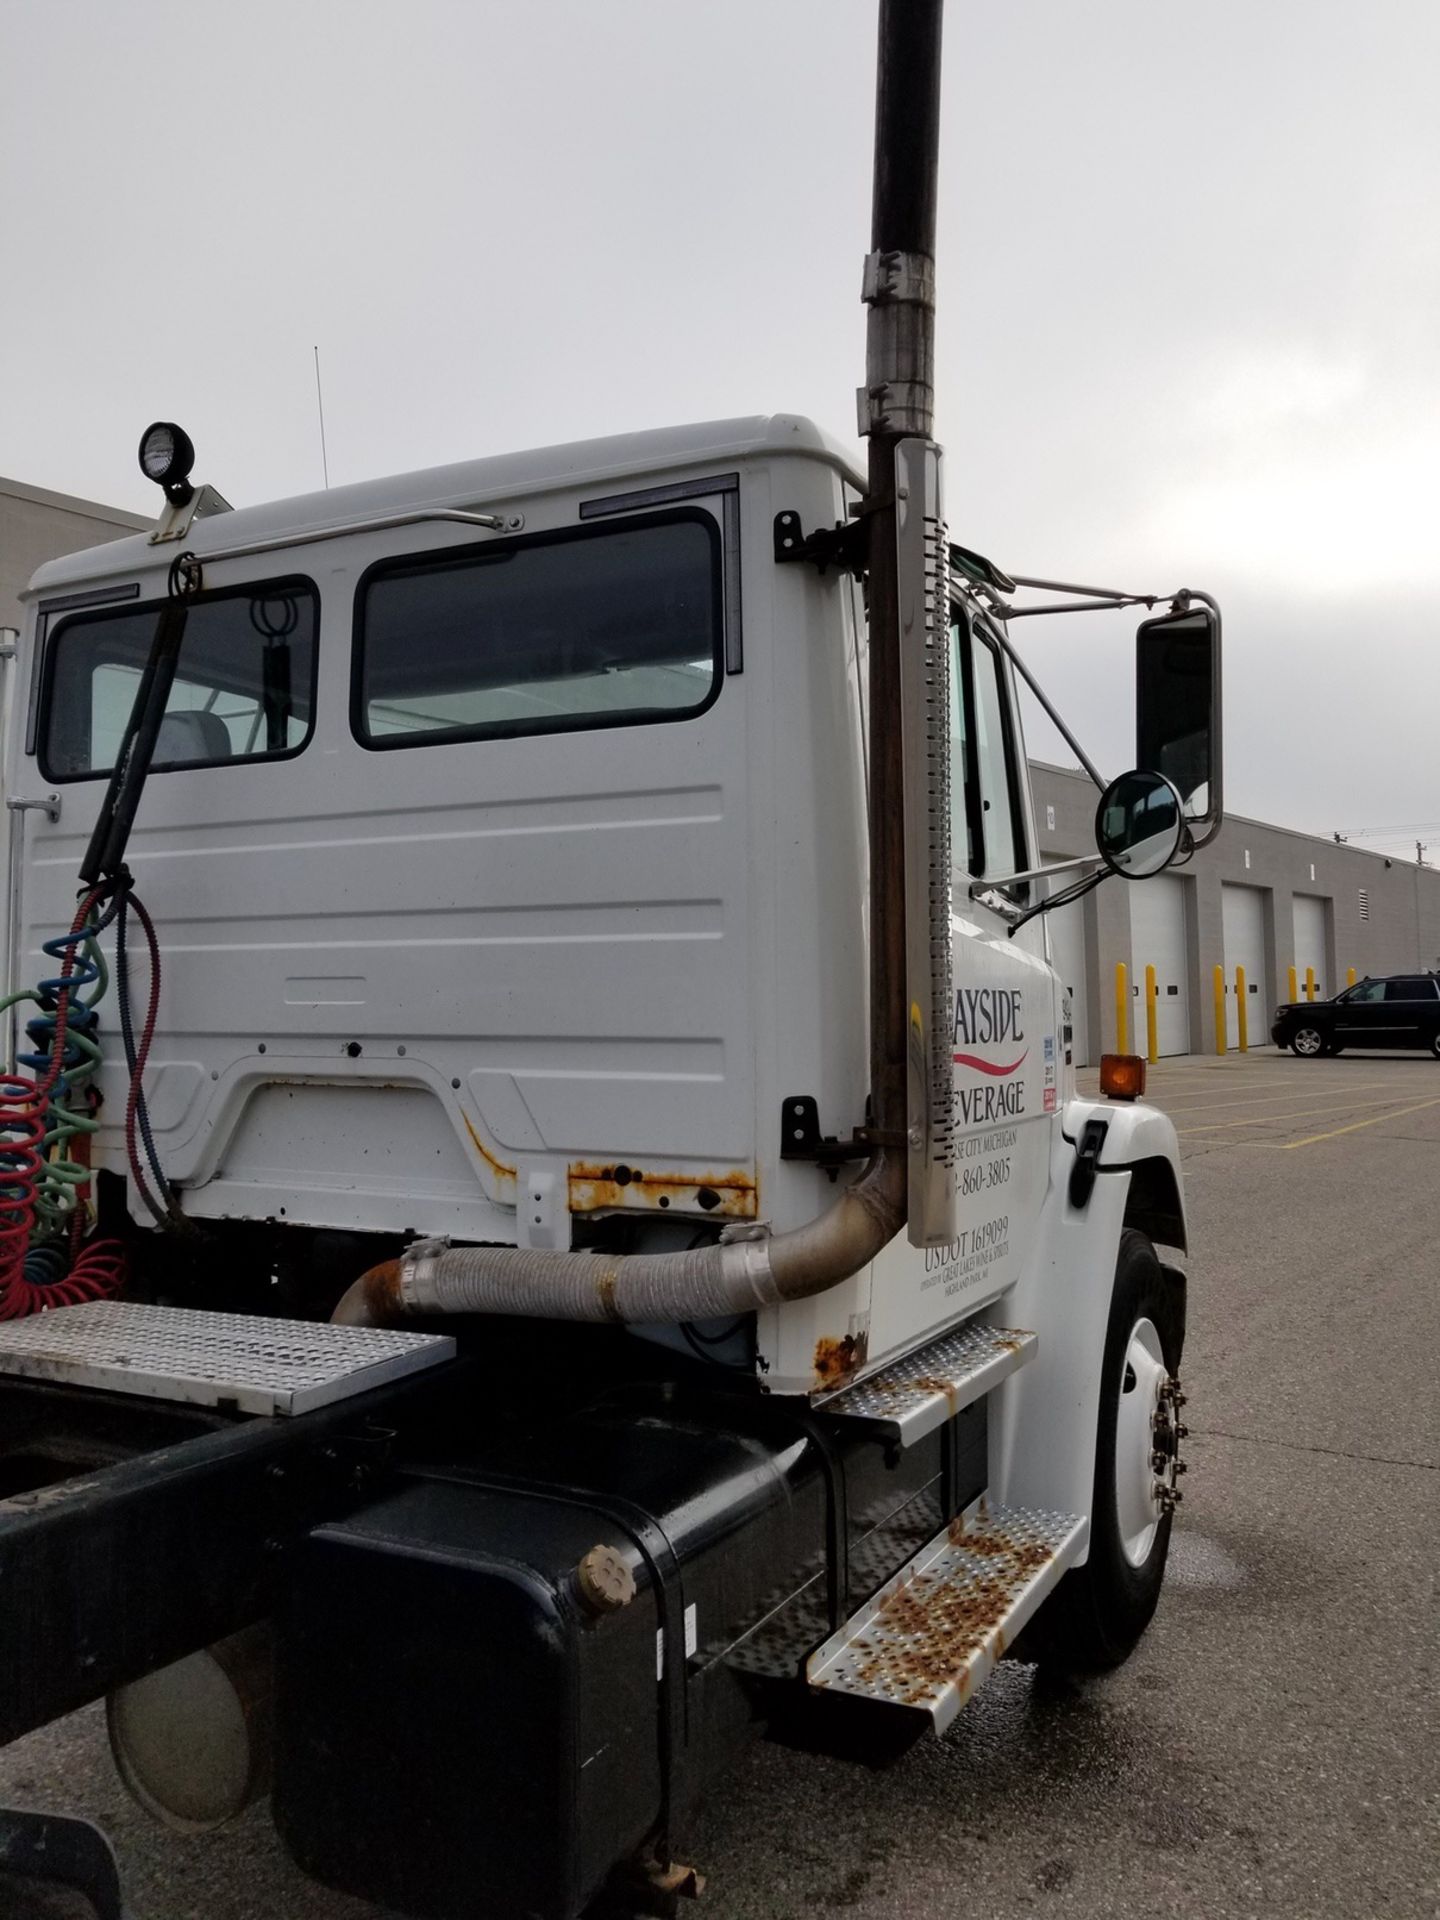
(1082, 606)
(991, 894)
(1035, 873)
(1016, 916)
(1034, 685)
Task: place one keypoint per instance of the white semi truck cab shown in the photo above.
(549, 1221)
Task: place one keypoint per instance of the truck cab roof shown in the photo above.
(467, 484)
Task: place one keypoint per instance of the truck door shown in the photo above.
(1006, 1070)
(1005, 1031)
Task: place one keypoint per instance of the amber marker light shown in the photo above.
(1122, 1075)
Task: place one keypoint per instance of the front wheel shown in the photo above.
(1435, 1043)
(1098, 1612)
(1308, 1042)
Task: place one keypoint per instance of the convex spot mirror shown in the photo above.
(1139, 824)
(1177, 708)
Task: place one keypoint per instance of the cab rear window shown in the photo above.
(600, 627)
(244, 686)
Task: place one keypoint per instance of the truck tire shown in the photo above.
(1097, 1614)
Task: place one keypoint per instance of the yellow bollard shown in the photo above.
(1242, 1011)
(1309, 983)
(1350, 977)
(1152, 1038)
(1219, 1009)
(1122, 1007)
(1294, 990)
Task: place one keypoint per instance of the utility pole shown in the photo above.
(898, 401)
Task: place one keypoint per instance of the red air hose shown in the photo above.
(101, 1270)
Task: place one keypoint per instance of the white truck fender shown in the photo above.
(1042, 1447)
(1142, 1139)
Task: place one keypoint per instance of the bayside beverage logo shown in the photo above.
(989, 1017)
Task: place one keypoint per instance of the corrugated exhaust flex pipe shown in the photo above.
(640, 1289)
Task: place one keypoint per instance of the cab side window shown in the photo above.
(243, 689)
(987, 813)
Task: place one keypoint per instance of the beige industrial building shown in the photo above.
(37, 525)
(1261, 898)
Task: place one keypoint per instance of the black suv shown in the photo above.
(1401, 1011)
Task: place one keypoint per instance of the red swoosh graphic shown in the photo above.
(989, 1066)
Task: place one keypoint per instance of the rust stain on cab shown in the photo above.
(502, 1173)
(596, 1186)
(838, 1361)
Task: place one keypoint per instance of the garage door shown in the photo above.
(1310, 943)
(1067, 955)
(1243, 913)
(1157, 939)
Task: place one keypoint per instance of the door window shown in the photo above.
(987, 816)
(1416, 989)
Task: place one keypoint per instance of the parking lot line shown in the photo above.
(1373, 1121)
(1291, 1113)
(1206, 1093)
(1259, 1100)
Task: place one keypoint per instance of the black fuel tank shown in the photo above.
(459, 1732)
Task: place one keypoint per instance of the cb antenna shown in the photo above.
(320, 407)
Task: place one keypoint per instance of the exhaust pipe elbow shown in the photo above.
(373, 1300)
(639, 1289)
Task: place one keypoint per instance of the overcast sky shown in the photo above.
(1189, 292)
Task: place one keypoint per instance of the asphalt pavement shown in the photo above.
(1271, 1748)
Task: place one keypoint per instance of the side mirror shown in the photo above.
(1177, 708)
(1139, 825)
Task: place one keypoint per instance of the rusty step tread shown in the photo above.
(934, 1633)
(913, 1396)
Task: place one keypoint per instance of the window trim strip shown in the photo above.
(727, 485)
(64, 603)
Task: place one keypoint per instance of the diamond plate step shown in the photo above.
(212, 1359)
(932, 1635)
(921, 1392)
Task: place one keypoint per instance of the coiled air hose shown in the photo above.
(45, 1124)
(46, 1121)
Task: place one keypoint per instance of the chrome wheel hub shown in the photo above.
(1147, 1443)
